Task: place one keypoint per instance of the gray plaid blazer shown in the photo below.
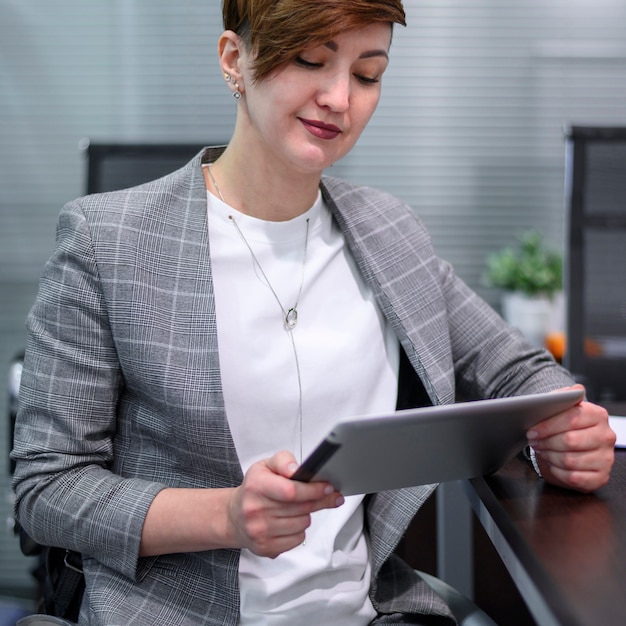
(121, 393)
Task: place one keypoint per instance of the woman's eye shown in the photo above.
(305, 63)
(368, 80)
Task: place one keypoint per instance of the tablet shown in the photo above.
(429, 445)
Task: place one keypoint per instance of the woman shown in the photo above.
(195, 337)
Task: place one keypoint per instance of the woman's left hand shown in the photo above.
(576, 448)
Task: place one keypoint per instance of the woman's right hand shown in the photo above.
(269, 513)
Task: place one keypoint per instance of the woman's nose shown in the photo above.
(335, 93)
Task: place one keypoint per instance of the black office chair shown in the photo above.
(595, 269)
(112, 166)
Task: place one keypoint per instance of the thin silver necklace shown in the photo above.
(289, 316)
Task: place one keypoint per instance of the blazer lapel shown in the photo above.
(395, 256)
(193, 307)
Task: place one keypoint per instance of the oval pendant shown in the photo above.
(291, 319)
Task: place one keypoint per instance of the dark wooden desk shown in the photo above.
(566, 552)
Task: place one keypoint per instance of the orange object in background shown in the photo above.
(556, 343)
(592, 348)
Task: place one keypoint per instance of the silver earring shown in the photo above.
(229, 79)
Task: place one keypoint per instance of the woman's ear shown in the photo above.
(232, 54)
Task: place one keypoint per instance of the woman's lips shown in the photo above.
(320, 129)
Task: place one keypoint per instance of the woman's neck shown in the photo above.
(259, 188)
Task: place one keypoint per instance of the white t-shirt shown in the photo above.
(348, 360)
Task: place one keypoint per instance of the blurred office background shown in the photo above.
(469, 130)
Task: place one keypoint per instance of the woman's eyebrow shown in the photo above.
(331, 45)
(374, 53)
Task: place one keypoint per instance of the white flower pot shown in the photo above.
(533, 315)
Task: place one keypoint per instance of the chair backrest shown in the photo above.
(112, 166)
(595, 271)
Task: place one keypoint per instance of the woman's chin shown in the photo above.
(316, 159)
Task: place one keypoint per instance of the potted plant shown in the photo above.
(531, 277)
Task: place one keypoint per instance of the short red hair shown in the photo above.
(276, 31)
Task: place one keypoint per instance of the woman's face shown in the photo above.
(311, 112)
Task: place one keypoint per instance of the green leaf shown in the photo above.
(530, 268)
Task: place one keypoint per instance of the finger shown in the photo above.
(279, 540)
(584, 481)
(278, 545)
(582, 416)
(556, 423)
(568, 441)
(270, 528)
(282, 463)
(580, 479)
(287, 497)
(598, 439)
(306, 507)
(584, 471)
(570, 461)
(322, 493)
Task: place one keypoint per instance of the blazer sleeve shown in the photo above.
(492, 359)
(458, 345)
(66, 493)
